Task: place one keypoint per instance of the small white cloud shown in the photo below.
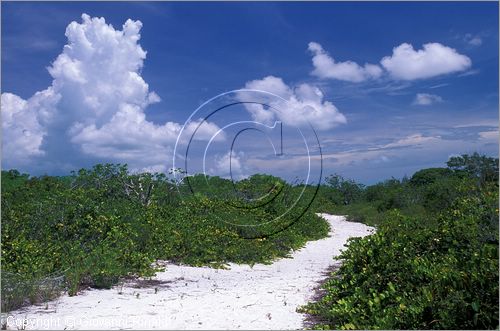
(302, 105)
(470, 73)
(412, 140)
(439, 85)
(476, 41)
(473, 40)
(229, 166)
(326, 67)
(425, 99)
(433, 60)
(489, 136)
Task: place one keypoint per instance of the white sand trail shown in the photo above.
(242, 297)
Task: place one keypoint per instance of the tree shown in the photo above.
(11, 179)
(429, 176)
(350, 190)
(390, 194)
(482, 167)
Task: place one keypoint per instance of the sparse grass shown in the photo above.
(18, 291)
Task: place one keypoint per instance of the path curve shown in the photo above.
(262, 297)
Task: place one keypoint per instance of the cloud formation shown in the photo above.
(302, 105)
(490, 136)
(229, 166)
(434, 59)
(426, 99)
(414, 140)
(22, 133)
(473, 40)
(94, 108)
(326, 67)
(405, 63)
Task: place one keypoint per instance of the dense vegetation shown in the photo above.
(433, 262)
(99, 225)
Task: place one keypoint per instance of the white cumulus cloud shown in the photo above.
(302, 105)
(94, 108)
(229, 166)
(425, 99)
(22, 133)
(434, 59)
(326, 67)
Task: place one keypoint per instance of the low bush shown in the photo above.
(103, 224)
(415, 273)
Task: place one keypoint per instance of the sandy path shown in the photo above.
(262, 297)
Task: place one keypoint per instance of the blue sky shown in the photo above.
(373, 123)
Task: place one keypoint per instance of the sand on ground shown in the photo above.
(183, 297)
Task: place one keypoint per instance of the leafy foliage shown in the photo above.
(427, 192)
(481, 167)
(349, 191)
(104, 223)
(432, 264)
(435, 269)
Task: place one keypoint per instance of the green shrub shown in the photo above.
(415, 274)
(103, 224)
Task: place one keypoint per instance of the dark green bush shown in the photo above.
(103, 224)
(420, 274)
